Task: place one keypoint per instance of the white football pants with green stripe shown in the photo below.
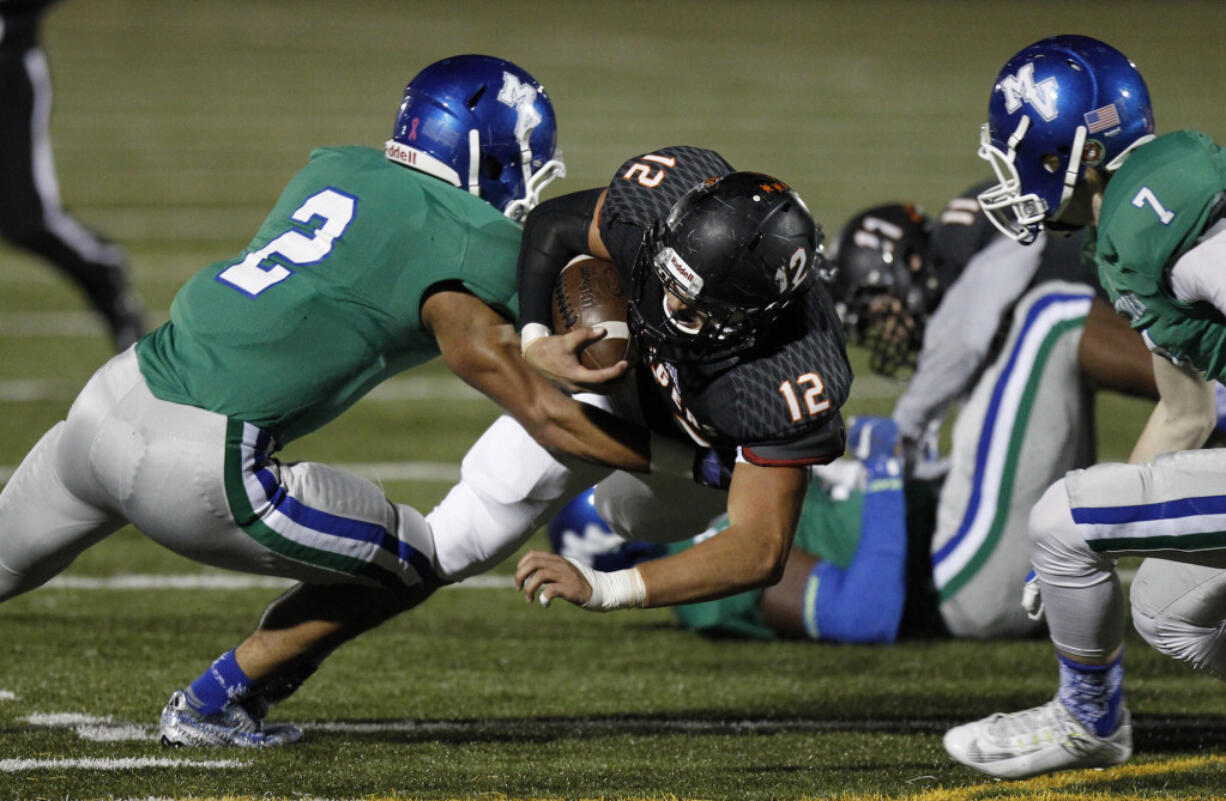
(1028, 421)
(1172, 511)
(201, 485)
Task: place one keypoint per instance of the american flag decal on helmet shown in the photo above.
(1100, 119)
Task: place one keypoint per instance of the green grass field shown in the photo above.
(175, 127)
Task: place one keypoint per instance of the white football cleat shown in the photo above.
(232, 726)
(1036, 741)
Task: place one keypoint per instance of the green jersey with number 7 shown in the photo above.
(1168, 194)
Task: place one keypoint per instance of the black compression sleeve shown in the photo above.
(554, 233)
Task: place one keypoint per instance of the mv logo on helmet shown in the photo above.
(522, 98)
(1021, 88)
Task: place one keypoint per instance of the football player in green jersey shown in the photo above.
(1070, 135)
(369, 264)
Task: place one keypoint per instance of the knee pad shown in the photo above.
(1081, 592)
(1199, 646)
(1180, 610)
(658, 507)
(1058, 551)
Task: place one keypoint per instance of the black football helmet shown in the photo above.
(885, 284)
(733, 252)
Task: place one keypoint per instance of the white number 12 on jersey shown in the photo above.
(258, 272)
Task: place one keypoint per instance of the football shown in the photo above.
(589, 291)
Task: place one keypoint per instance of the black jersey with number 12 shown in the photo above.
(778, 402)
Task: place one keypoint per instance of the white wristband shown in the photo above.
(530, 333)
(622, 589)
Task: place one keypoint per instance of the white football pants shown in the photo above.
(1172, 511)
(1028, 421)
(202, 486)
(510, 486)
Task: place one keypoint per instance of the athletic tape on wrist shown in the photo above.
(621, 589)
(530, 333)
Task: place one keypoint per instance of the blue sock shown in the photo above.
(863, 603)
(1093, 694)
(222, 683)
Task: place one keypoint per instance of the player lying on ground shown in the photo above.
(845, 576)
(1070, 135)
(1016, 337)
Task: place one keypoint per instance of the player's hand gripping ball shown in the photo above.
(590, 292)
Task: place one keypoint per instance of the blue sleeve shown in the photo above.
(863, 603)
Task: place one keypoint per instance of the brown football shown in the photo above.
(589, 292)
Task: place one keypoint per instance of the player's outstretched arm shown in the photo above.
(763, 507)
(483, 349)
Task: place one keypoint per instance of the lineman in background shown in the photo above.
(1006, 340)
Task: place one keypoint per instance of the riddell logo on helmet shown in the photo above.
(689, 280)
(399, 153)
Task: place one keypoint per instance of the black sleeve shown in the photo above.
(554, 233)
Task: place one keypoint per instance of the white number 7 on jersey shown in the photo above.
(252, 276)
(1146, 195)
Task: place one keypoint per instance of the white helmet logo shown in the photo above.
(522, 98)
(1021, 88)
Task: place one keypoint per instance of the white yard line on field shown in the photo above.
(221, 581)
(51, 324)
(129, 763)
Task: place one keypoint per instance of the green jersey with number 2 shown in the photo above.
(1156, 206)
(325, 302)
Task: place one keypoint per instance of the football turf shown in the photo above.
(177, 124)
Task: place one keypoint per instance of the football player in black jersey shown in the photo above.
(742, 351)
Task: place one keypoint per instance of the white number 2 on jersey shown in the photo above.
(257, 272)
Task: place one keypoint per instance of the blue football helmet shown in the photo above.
(1058, 106)
(579, 532)
(482, 124)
